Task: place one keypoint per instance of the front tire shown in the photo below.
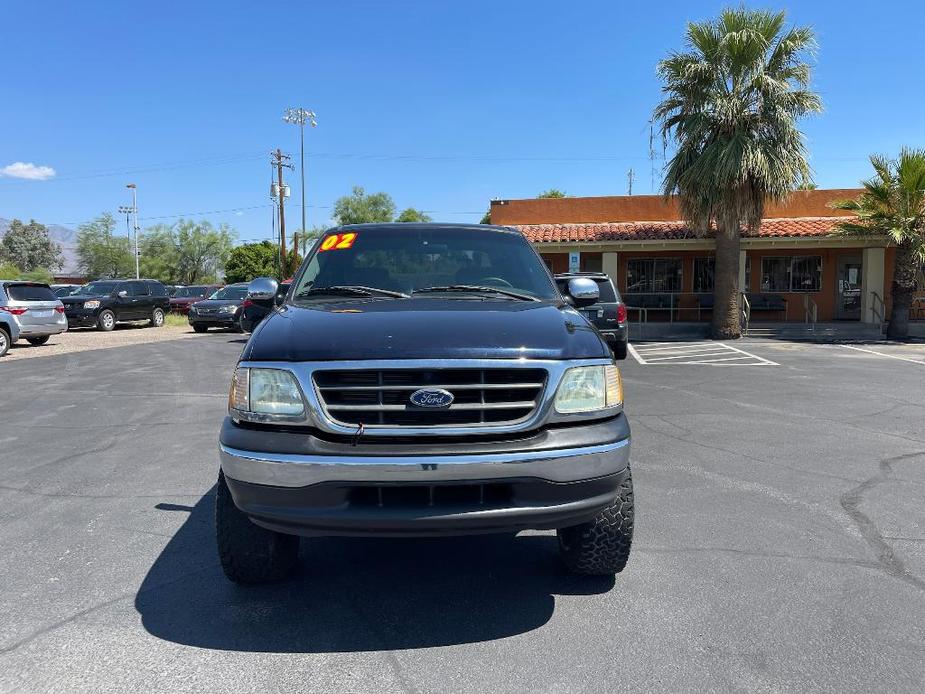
(106, 321)
(157, 318)
(38, 341)
(200, 328)
(247, 552)
(601, 546)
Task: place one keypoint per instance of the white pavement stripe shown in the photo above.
(693, 355)
(718, 353)
(881, 354)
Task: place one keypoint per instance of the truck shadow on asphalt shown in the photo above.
(357, 594)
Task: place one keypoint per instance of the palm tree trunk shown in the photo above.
(726, 322)
(905, 269)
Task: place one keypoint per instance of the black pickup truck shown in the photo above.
(420, 380)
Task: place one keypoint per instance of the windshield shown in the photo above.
(412, 260)
(65, 291)
(190, 292)
(96, 288)
(232, 293)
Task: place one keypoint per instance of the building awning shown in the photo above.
(790, 227)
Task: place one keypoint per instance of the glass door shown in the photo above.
(848, 297)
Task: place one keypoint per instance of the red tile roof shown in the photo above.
(666, 231)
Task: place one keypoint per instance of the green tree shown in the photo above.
(731, 104)
(100, 253)
(9, 271)
(159, 254)
(29, 247)
(486, 218)
(412, 215)
(892, 205)
(360, 208)
(250, 260)
(203, 250)
(552, 193)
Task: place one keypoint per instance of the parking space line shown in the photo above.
(674, 354)
(881, 354)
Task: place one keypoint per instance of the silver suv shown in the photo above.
(30, 311)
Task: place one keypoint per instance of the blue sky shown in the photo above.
(444, 105)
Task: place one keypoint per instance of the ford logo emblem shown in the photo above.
(431, 397)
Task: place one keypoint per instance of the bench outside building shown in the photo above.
(794, 270)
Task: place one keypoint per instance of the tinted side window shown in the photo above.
(137, 289)
(157, 289)
(30, 292)
(605, 289)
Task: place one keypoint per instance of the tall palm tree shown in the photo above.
(893, 205)
(731, 102)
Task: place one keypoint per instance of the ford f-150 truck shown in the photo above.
(421, 380)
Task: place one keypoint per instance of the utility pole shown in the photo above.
(280, 161)
(629, 182)
(299, 116)
(134, 211)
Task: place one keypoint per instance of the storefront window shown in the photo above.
(791, 274)
(703, 274)
(651, 275)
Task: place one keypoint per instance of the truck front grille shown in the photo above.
(381, 397)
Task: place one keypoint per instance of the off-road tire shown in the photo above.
(200, 328)
(620, 350)
(247, 552)
(601, 546)
(104, 324)
(157, 318)
(4, 341)
(38, 341)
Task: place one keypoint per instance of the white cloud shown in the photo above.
(239, 214)
(21, 169)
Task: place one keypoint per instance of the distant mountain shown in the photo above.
(63, 236)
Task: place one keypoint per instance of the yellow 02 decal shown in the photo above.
(336, 242)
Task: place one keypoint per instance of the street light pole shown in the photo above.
(299, 116)
(135, 212)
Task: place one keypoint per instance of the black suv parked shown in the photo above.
(423, 379)
(608, 314)
(104, 303)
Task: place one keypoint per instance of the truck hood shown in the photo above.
(423, 328)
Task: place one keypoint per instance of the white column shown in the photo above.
(741, 271)
(609, 266)
(872, 274)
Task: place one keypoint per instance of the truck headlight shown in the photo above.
(92, 304)
(589, 388)
(267, 393)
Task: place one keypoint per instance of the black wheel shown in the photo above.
(249, 553)
(200, 328)
(4, 341)
(38, 341)
(619, 350)
(106, 321)
(601, 546)
(157, 318)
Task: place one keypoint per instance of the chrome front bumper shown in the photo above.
(297, 470)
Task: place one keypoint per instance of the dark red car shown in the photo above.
(187, 296)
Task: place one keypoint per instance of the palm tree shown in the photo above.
(893, 205)
(731, 103)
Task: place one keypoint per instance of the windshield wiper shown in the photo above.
(477, 289)
(350, 290)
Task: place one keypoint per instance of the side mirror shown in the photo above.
(583, 291)
(262, 289)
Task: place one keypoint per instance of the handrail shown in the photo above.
(880, 313)
(810, 311)
(746, 313)
(642, 317)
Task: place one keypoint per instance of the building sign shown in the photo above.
(574, 261)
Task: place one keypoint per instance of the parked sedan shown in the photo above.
(220, 310)
(31, 311)
(185, 297)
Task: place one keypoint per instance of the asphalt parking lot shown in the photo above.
(780, 544)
